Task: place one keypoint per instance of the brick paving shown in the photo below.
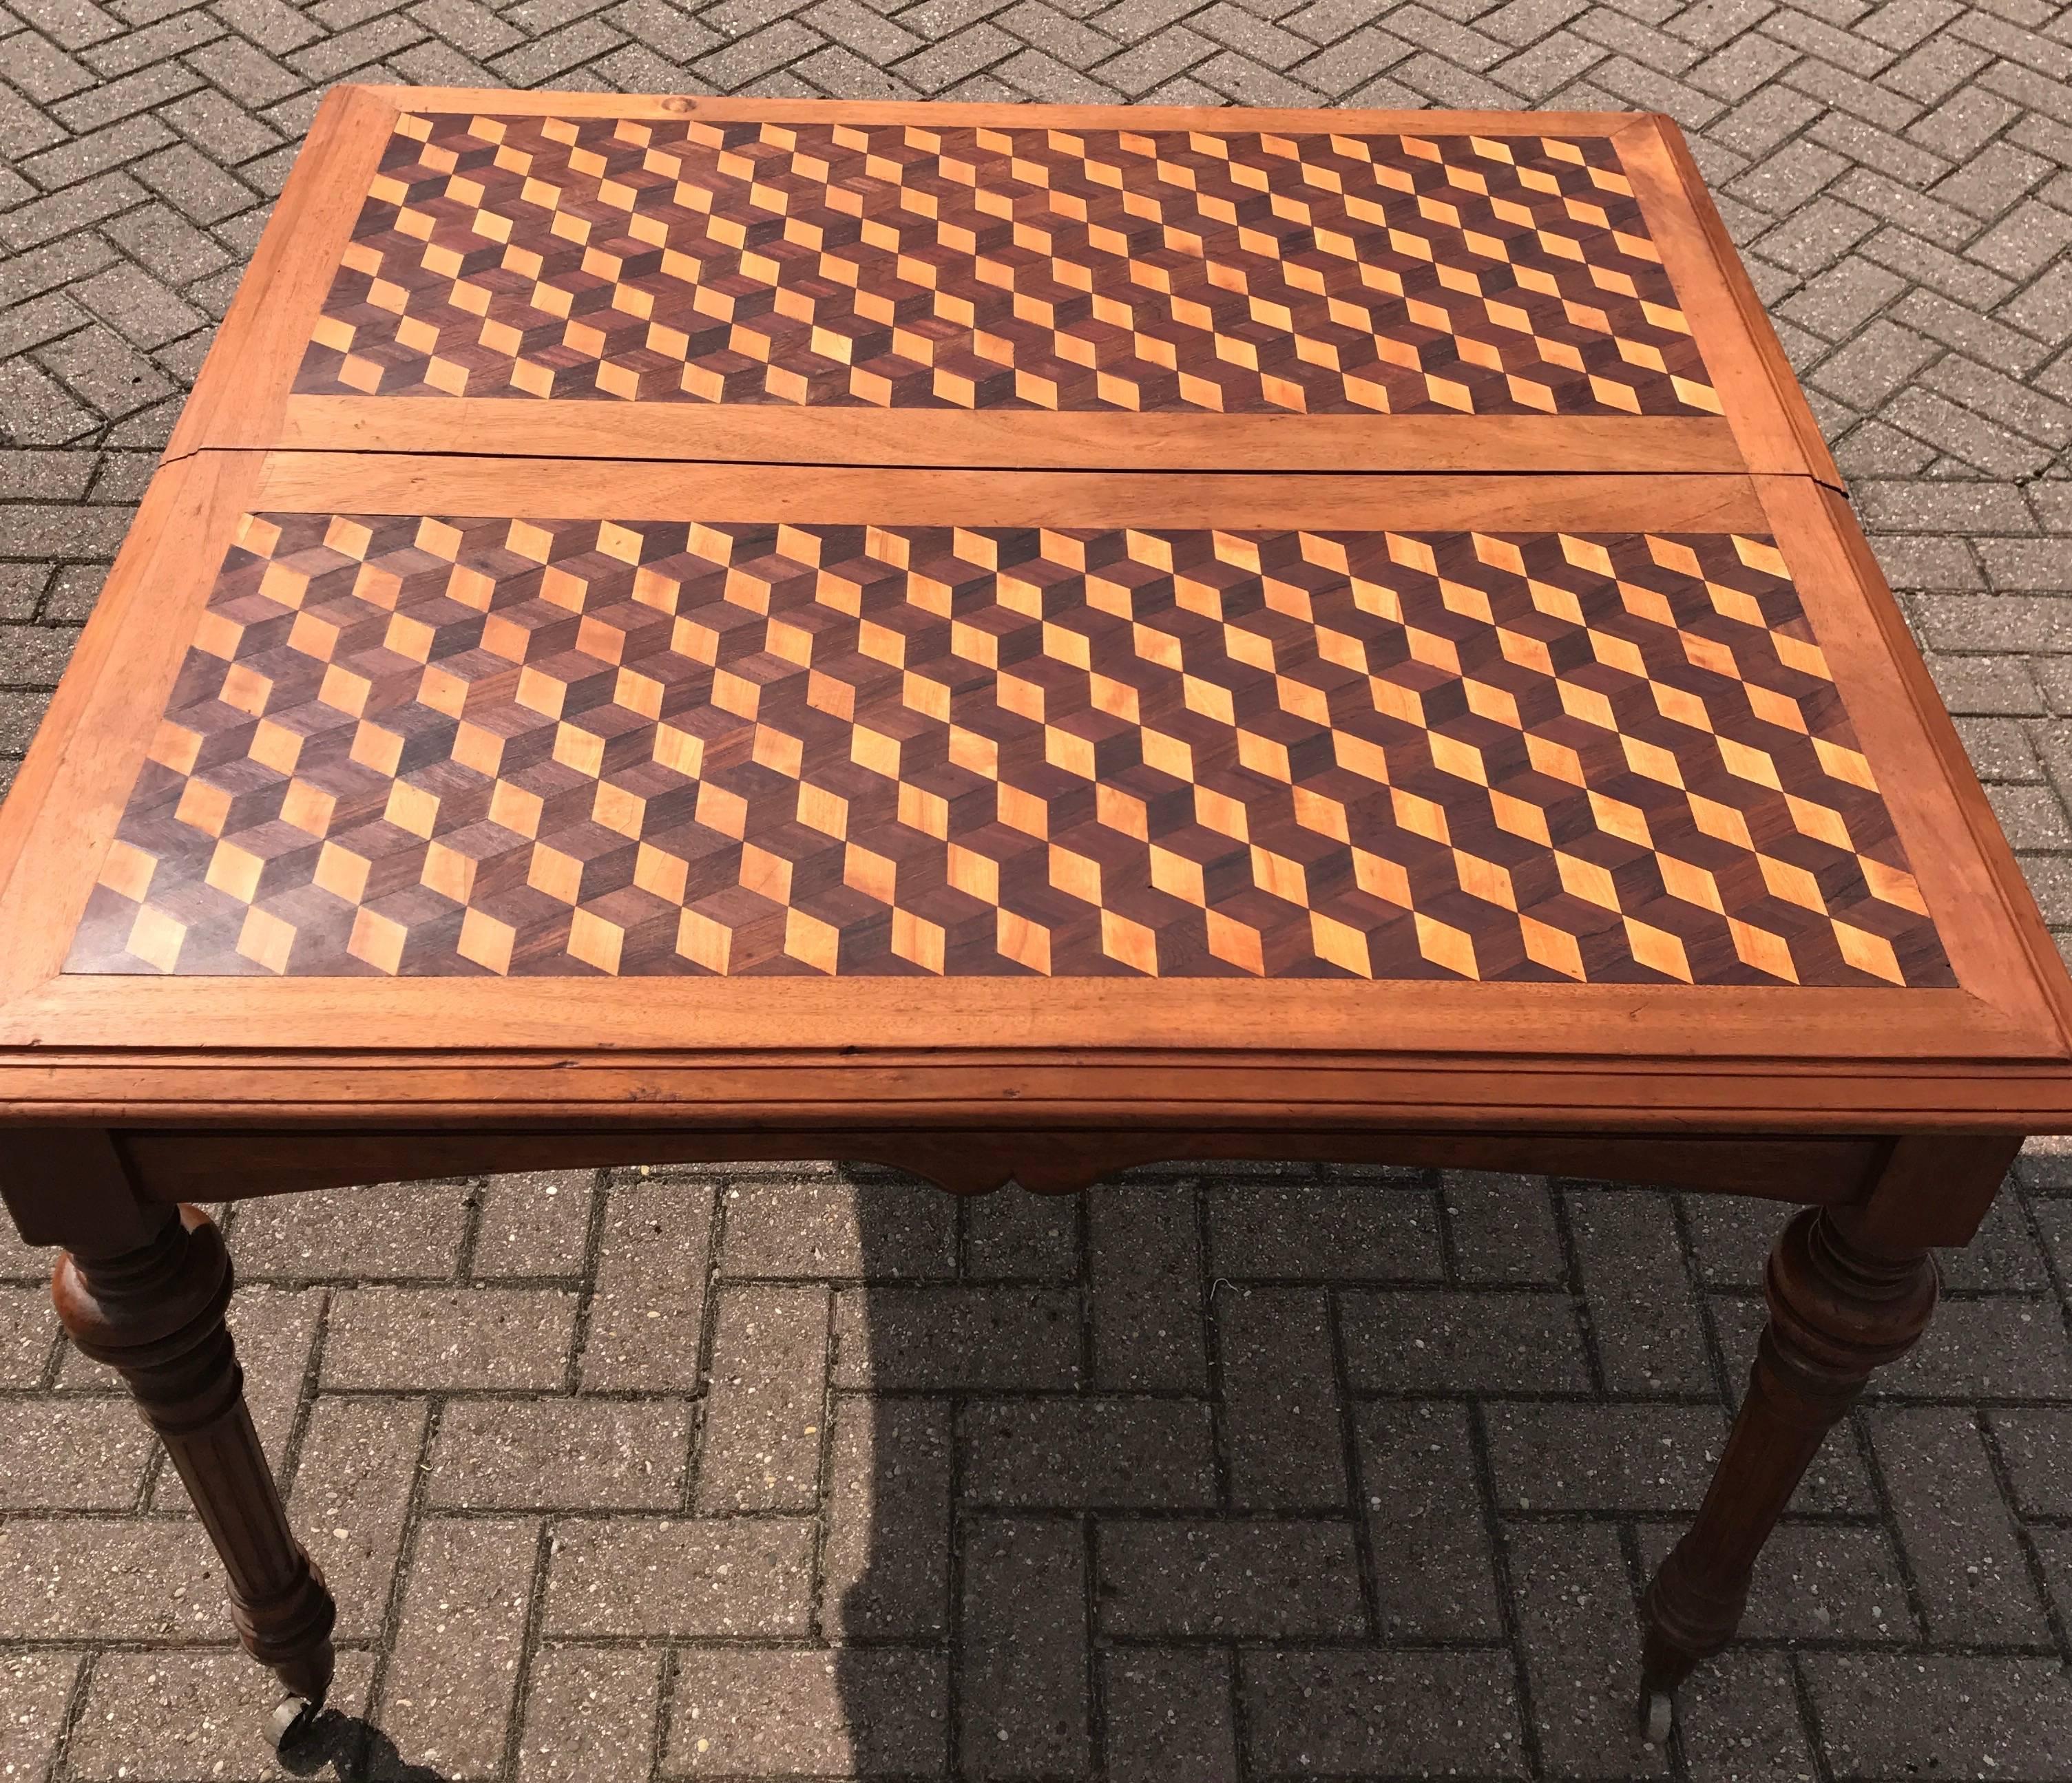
(1215, 1474)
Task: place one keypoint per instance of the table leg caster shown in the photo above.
(1658, 1712)
(293, 1717)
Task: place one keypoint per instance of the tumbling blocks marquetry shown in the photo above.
(897, 266)
(427, 745)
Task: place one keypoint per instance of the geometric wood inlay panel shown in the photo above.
(431, 745)
(903, 267)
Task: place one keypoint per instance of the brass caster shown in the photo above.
(292, 1717)
(1658, 1710)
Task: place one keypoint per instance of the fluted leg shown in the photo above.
(154, 1314)
(1838, 1309)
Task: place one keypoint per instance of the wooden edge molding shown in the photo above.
(2046, 967)
(1991, 929)
(687, 1017)
(1036, 1089)
(80, 768)
(501, 102)
(1771, 420)
(239, 399)
(176, 1166)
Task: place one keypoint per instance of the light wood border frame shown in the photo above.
(1990, 1055)
(242, 399)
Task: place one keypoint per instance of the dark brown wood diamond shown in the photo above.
(429, 745)
(904, 267)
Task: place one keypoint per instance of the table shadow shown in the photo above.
(932, 1583)
(356, 1750)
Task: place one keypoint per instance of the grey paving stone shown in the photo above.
(845, 1711)
(99, 367)
(412, 1337)
(2007, 1716)
(37, 1687)
(2027, 564)
(452, 1680)
(1025, 1703)
(938, 1339)
(32, 656)
(1184, 1579)
(1502, 1228)
(190, 1713)
(533, 1226)
(1169, 1712)
(28, 1333)
(1995, 685)
(353, 1496)
(1825, 1582)
(1363, 1712)
(1106, 1453)
(138, 307)
(559, 1454)
(1622, 1458)
(653, 1260)
(1463, 1342)
(107, 1579)
(82, 1454)
(736, 1577)
(1282, 1430)
(403, 1231)
(1739, 1718)
(1429, 1531)
(1643, 1317)
(1012, 1235)
(2004, 1347)
(883, 1230)
(1574, 1603)
(1381, 1231)
(1145, 1272)
(2036, 1447)
(1874, 364)
(886, 1562)
(1963, 1547)
(590, 1715)
(766, 1401)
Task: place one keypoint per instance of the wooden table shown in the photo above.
(1007, 642)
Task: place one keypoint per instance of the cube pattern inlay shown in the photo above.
(431, 745)
(902, 267)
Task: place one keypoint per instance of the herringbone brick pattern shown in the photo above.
(1221, 1476)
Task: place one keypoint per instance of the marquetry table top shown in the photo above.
(446, 745)
(530, 755)
(1060, 286)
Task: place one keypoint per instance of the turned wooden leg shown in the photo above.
(154, 1314)
(1839, 1307)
